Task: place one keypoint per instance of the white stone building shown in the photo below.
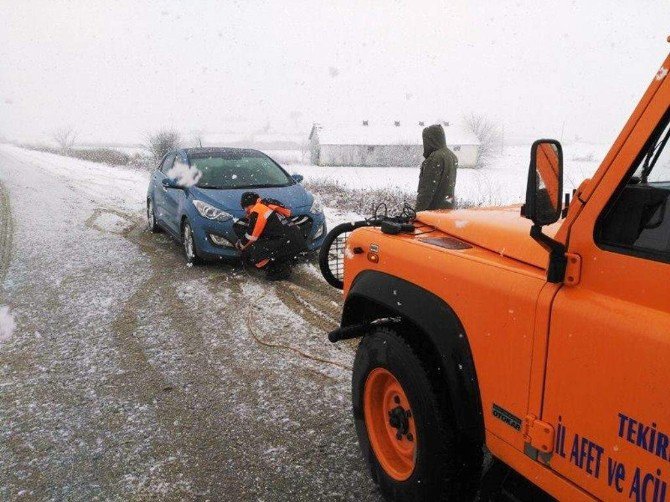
(384, 145)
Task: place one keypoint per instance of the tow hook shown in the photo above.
(358, 330)
(347, 332)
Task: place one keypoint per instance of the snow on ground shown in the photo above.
(132, 376)
(7, 323)
(502, 182)
(123, 187)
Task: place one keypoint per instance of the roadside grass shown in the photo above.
(99, 155)
(363, 201)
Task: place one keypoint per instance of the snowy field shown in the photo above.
(503, 182)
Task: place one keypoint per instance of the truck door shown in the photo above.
(608, 361)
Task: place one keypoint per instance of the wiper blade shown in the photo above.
(240, 187)
(655, 152)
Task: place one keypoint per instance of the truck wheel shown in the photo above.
(403, 431)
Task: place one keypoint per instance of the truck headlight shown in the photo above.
(210, 212)
(317, 207)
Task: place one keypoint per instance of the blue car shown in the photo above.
(194, 195)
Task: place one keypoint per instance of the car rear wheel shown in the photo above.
(151, 217)
(404, 431)
(188, 242)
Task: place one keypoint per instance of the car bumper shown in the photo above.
(206, 231)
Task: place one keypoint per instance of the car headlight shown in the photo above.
(317, 207)
(221, 241)
(210, 212)
(318, 233)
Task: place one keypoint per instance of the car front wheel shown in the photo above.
(188, 242)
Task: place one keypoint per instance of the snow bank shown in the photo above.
(121, 187)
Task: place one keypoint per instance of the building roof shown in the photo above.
(387, 135)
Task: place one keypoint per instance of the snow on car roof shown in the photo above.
(388, 135)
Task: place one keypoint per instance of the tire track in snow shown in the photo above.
(6, 233)
(308, 305)
(187, 424)
(189, 396)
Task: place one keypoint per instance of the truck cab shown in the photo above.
(536, 333)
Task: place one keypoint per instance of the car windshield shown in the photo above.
(239, 170)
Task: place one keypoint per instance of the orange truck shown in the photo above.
(540, 333)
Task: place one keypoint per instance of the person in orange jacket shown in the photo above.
(267, 238)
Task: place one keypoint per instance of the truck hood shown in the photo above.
(501, 230)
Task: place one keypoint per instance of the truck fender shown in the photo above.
(376, 295)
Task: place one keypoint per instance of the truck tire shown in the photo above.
(403, 431)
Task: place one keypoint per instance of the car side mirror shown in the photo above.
(297, 178)
(170, 183)
(544, 201)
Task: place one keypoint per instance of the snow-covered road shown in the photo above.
(130, 375)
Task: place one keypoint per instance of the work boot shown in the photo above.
(278, 271)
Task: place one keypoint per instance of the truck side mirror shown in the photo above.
(544, 200)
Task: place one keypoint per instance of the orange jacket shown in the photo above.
(262, 216)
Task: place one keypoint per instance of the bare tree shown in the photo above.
(65, 137)
(489, 136)
(161, 142)
(197, 137)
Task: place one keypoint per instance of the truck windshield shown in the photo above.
(239, 170)
(656, 165)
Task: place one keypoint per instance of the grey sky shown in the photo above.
(117, 70)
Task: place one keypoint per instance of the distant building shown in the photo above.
(384, 145)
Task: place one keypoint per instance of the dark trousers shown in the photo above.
(277, 248)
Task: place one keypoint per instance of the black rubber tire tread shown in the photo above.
(325, 249)
(197, 260)
(155, 228)
(443, 471)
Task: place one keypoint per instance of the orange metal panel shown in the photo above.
(607, 372)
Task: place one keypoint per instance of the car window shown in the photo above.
(167, 163)
(637, 220)
(239, 170)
